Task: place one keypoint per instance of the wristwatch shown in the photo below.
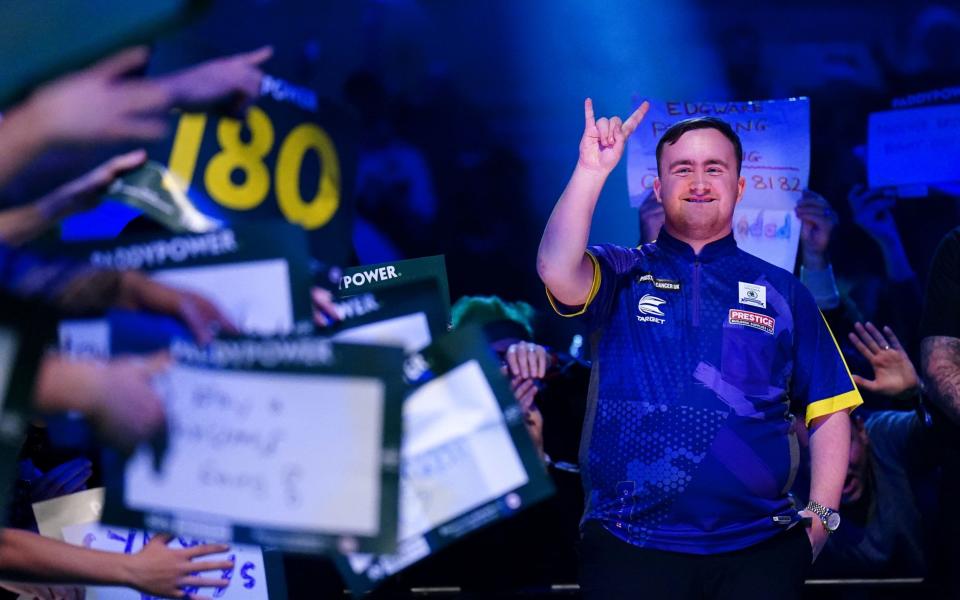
(829, 517)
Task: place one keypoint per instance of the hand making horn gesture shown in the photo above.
(602, 143)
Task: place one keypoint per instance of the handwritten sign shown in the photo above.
(288, 442)
(467, 459)
(248, 578)
(776, 165)
(916, 146)
(74, 519)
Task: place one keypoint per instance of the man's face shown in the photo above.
(699, 185)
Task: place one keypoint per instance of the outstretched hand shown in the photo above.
(603, 139)
(893, 373)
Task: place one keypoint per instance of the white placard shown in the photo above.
(457, 455)
(776, 165)
(267, 449)
(410, 332)
(254, 295)
(915, 146)
(248, 578)
(73, 509)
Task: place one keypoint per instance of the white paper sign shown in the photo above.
(248, 578)
(457, 454)
(916, 146)
(776, 165)
(272, 450)
(255, 295)
(80, 507)
(74, 519)
(410, 332)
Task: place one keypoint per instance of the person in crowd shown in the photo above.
(889, 500)
(700, 351)
(940, 365)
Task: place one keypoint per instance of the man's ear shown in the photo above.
(656, 190)
(741, 187)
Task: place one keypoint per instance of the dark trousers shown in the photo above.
(613, 569)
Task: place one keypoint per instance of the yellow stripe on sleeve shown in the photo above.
(594, 288)
(847, 400)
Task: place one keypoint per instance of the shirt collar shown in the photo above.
(716, 249)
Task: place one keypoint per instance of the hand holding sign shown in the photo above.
(201, 316)
(603, 139)
(233, 81)
(161, 571)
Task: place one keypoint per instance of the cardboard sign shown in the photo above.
(409, 316)
(368, 278)
(74, 518)
(466, 461)
(914, 147)
(257, 275)
(775, 135)
(287, 442)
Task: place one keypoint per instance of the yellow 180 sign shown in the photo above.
(248, 157)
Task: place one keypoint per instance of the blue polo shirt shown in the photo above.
(700, 364)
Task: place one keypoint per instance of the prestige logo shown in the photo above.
(752, 319)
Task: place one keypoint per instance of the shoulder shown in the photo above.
(619, 258)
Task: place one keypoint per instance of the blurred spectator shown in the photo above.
(940, 359)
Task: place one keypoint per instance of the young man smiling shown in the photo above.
(702, 356)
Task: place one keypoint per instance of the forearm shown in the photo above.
(24, 223)
(68, 384)
(561, 262)
(21, 141)
(940, 357)
(26, 556)
(829, 452)
(895, 259)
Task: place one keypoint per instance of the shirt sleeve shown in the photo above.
(821, 380)
(940, 314)
(610, 264)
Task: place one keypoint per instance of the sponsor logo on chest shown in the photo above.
(752, 294)
(649, 309)
(661, 284)
(751, 319)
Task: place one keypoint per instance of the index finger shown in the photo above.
(631, 124)
(204, 549)
(588, 113)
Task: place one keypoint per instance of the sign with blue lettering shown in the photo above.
(287, 442)
(467, 460)
(257, 573)
(776, 166)
(916, 146)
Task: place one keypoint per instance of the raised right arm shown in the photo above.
(561, 260)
